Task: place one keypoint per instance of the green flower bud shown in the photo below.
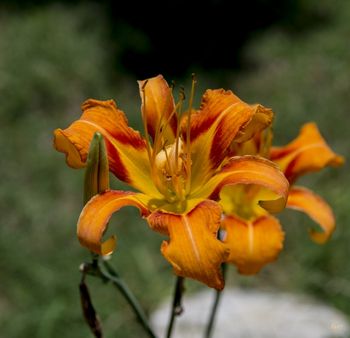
(96, 178)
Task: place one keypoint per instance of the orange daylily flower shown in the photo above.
(179, 168)
(254, 237)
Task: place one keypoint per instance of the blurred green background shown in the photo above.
(293, 56)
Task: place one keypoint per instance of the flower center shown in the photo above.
(170, 168)
(243, 200)
(170, 160)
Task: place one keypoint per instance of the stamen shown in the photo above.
(160, 132)
(167, 160)
(172, 176)
(177, 138)
(188, 135)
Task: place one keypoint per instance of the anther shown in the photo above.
(194, 78)
(182, 93)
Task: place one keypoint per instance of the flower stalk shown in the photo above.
(100, 268)
(177, 308)
(214, 309)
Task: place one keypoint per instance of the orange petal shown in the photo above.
(127, 153)
(158, 107)
(250, 147)
(96, 214)
(252, 244)
(193, 249)
(316, 208)
(221, 118)
(262, 117)
(258, 144)
(307, 153)
(249, 170)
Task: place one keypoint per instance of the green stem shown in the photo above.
(176, 308)
(106, 272)
(211, 322)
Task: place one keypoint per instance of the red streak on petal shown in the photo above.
(116, 165)
(202, 125)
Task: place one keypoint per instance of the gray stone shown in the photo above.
(254, 314)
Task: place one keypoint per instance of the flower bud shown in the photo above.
(96, 178)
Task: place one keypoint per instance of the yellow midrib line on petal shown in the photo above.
(208, 188)
(190, 236)
(315, 145)
(299, 150)
(285, 160)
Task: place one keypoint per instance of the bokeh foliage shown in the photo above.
(51, 59)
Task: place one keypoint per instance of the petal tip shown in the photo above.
(306, 201)
(62, 144)
(338, 161)
(319, 237)
(274, 206)
(91, 103)
(108, 246)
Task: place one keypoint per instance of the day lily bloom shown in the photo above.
(178, 168)
(254, 237)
